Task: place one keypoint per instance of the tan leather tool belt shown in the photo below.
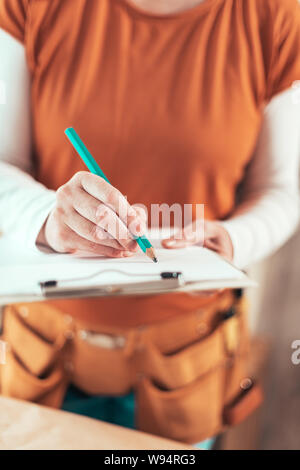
(189, 373)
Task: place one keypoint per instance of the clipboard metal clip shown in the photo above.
(68, 288)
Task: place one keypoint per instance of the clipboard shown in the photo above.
(28, 277)
(166, 282)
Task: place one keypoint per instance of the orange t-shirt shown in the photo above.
(170, 106)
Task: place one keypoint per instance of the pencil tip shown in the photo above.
(151, 254)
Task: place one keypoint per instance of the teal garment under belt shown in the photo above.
(114, 410)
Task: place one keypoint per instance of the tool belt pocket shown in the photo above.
(181, 395)
(191, 394)
(188, 414)
(182, 367)
(34, 369)
(100, 363)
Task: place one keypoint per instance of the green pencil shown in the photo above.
(94, 168)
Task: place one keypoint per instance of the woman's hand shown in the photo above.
(91, 217)
(212, 235)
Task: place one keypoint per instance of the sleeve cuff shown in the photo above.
(27, 235)
(241, 241)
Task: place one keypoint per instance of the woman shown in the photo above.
(184, 101)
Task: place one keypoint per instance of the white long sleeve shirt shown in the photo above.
(264, 218)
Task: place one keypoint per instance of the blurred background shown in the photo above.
(275, 324)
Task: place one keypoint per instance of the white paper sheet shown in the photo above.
(21, 272)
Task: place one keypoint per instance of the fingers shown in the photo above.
(112, 198)
(95, 217)
(89, 250)
(90, 231)
(190, 235)
(86, 205)
(108, 220)
(141, 212)
(68, 241)
(173, 244)
(210, 234)
(97, 221)
(95, 213)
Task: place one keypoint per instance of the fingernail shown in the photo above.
(126, 254)
(171, 242)
(141, 227)
(138, 228)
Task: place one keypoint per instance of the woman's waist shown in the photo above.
(122, 313)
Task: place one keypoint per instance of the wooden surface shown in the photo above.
(27, 426)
